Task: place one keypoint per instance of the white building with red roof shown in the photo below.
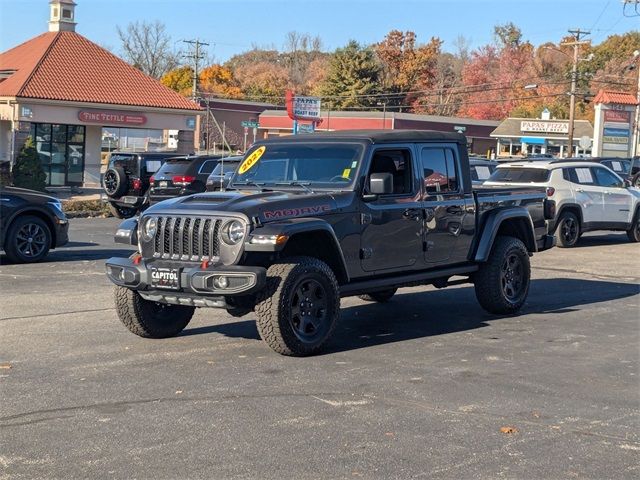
(62, 89)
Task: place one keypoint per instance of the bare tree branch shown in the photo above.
(147, 46)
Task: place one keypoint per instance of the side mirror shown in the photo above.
(626, 183)
(381, 184)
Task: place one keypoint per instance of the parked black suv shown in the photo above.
(221, 175)
(180, 176)
(309, 219)
(31, 224)
(126, 180)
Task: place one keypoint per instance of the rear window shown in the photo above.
(173, 165)
(228, 167)
(520, 175)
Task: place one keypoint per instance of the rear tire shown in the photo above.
(502, 283)
(150, 319)
(298, 309)
(122, 212)
(380, 297)
(568, 231)
(28, 240)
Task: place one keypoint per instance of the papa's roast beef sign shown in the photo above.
(108, 117)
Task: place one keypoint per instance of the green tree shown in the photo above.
(28, 172)
(353, 72)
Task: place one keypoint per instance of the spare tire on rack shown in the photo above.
(115, 182)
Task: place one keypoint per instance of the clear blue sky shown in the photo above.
(235, 26)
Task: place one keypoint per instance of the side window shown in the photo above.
(581, 176)
(439, 170)
(208, 166)
(604, 178)
(397, 163)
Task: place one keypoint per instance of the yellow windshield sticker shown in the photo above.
(251, 160)
(346, 172)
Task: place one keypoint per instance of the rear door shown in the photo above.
(391, 238)
(443, 203)
(618, 201)
(587, 194)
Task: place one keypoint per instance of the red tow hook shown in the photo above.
(205, 264)
(137, 258)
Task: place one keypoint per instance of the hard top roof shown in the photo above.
(374, 136)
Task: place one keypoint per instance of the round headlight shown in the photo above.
(233, 232)
(149, 228)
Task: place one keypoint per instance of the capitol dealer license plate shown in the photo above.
(168, 278)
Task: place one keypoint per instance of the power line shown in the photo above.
(196, 55)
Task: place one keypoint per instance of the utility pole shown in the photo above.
(576, 43)
(196, 55)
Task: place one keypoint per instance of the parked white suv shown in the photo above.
(588, 196)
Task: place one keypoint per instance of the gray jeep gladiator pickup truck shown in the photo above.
(309, 219)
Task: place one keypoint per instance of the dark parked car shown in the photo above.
(181, 176)
(221, 175)
(126, 180)
(481, 169)
(31, 224)
(622, 166)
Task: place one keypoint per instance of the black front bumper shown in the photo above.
(196, 287)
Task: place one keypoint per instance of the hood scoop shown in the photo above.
(205, 199)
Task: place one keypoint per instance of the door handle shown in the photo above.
(579, 190)
(412, 214)
(607, 192)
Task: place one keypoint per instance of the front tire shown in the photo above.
(298, 310)
(381, 297)
(502, 283)
(28, 240)
(568, 231)
(150, 319)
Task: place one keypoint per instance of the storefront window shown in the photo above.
(61, 152)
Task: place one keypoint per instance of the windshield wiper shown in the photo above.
(295, 183)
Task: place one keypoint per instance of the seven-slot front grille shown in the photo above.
(187, 238)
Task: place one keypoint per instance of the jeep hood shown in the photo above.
(267, 206)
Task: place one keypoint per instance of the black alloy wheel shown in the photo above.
(32, 240)
(569, 230)
(308, 317)
(111, 182)
(512, 278)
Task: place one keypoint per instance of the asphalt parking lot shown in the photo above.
(417, 388)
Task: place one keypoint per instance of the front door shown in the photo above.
(391, 237)
(618, 201)
(61, 152)
(444, 204)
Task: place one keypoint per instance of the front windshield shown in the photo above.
(318, 164)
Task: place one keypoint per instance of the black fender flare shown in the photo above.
(491, 224)
(292, 227)
(561, 210)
